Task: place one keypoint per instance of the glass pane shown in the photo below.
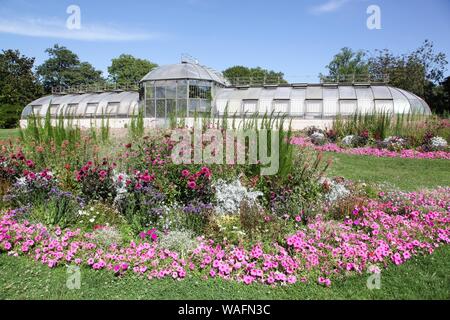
(91, 108)
(314, 106)
(160, 92)
(181, 107)
(193, 106)
(182, 91)
(280, 106)
(171, 108)
(35, 110)
(150, 109)
(249, 106)
(71, 108)
(161, 108)
(112, 108)
(54, 109)
(171, 91)
(150, 91)
(202, 92)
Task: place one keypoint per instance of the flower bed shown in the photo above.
(387, 231)
(371, 151)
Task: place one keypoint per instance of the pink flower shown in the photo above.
(185, 173)
(29, 163)
(248, 279)
(191, 185)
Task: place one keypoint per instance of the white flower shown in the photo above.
(438, 143)
(91, 220)
(230, 195)
(337, 191)
(317, 138)
(348, 140)
(22, 182)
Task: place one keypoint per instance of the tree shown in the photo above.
(244, 75)
(348, 63)
(420, 72)
(63, 68)
(127, 69)
(18, 86)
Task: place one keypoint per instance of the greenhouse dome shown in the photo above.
(180, 89)
(188, 88)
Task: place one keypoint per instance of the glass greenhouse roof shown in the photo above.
(185, 70)
(85, 105)
(320, 100)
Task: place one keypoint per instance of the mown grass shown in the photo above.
(9, 133)
(421, 278)
(405, 174)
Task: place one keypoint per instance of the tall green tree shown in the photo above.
(18, 86)
(64, 68)
(420, 72)
(241, 74)
(127, 69)
(348, 63)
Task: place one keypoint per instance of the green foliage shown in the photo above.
(413, 127)
(18, 86)
(56, 211)
(136, 129)
(10, 116)
(348, 63)
(63, 68)
(245, 75)
(43, 131)
(420, 71)
(127, 69)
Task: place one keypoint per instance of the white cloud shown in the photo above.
(51, 28)
(329, 6)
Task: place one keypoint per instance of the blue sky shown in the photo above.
(296, 37)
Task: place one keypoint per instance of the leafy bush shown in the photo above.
(96, 181)
(59, 209)
(106, 236)
(10, 116)
(230, 195)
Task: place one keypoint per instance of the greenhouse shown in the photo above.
(188, 89)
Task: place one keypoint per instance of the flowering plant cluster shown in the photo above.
(371, 151)
(96, 180)
(322, 251)
(196, 185)
(12, 164)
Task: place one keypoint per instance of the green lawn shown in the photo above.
(421, 278)
(9, 133)
(406, 174)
